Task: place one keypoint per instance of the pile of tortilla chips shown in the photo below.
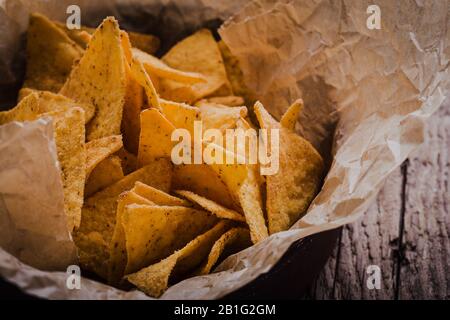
(137, 218)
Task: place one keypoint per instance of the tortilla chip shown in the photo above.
(232, 241)
(129, 160)
(99, 149)
(181, 115)
(243, 183)
(294, 186)
(100, 79)
(155, 279)
(211, 206)
(69, 137)
(68, 124)
(221, 117)
(134, 102)
(197, 53)
(289, 118)
(158, 197)
(155, 138)
(92, 248)
(50, 55)
(204, 181)
(229, 101)
(140, 76)
(145, 42)
(104, 174)
(49, 101)
(234, 73)
(154, 232)
(157, 67)
(99, 210)
(117, 249)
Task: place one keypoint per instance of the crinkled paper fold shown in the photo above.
(367, 93)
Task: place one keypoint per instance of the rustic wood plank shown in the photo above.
(424, 269)
(373, 240)
(324, 284)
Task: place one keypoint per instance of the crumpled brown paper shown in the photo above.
(31, 196)
(382, 85)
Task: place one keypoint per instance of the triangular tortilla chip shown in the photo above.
(289, 118)
(181, 115)
(243, 183)
(155, 279)
(221, 117)
(232, 241)
(146, 42)
(159, 197)
(294, 186)
(157, 67)
(117, 249)
(134, 102)
(196, 53)
(49, 101)
(68, 124)
(141, 76)
(104, 174)
(50, 55)
(99, 211)
(99, 78)
(155, 138)
(203, 180)
(154, 232)
(211, 206)
(99, 149)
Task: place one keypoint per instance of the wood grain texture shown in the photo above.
(425, 267)
(406, 232)
(372, 240)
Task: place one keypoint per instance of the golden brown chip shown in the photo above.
(157, 67)
(155, 138)
(289, 118)
(69, 137)
(99, 149)
(100, 78)
(155, 279)
(196, 53)
(158, 197)
(141, 76)
(243, 183)
(129, 160)
(134, 102)
(145, 42)
(229, 101)
(104, 174)
(68, 124)
(117, 249)
(49, 101)
(50, 55)
(154, 232)
(232, 241)
(203, 180)
(221, 117)
(294, 186)
(99, 211)
(211, 206)
(181, 115)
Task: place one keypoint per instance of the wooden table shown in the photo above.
(405, 232)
